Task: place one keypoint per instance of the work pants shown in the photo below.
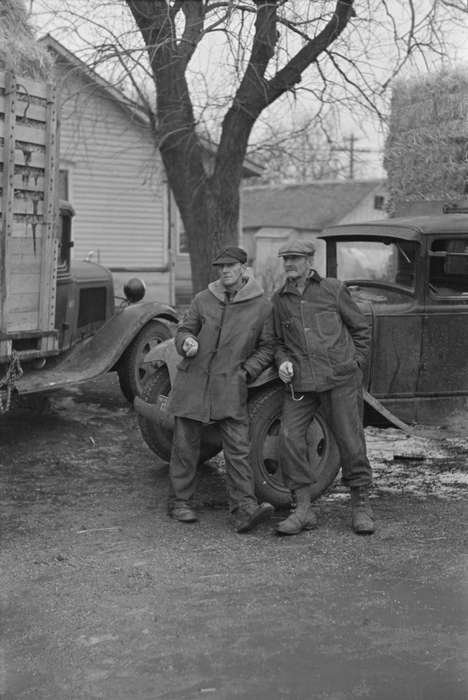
(343, 409)
(186, 453)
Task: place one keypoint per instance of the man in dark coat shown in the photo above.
(226, 339)
(322, 342)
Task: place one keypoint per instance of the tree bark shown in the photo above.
(208, 196)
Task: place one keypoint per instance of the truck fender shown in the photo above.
(99, 353)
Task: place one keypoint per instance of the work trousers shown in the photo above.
(343, 409)
(185, 457)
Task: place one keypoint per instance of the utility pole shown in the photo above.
(352, 150)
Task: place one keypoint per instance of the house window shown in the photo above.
(379, 201)
(63, 184)
(182, 241)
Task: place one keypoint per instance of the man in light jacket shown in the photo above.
(225, 339)
(322, 343)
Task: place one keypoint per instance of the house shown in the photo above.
(112, 173)
(272, 215)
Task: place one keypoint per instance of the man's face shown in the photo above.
(230, 274)
(296, 266)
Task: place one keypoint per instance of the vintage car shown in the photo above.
(410, 277)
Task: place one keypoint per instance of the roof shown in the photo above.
(310, 206)
(250, 167)
(411, 227)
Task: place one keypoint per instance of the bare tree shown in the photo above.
(269, 46)
(298, 152)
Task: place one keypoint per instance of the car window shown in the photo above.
(448, 266)
(389, 262)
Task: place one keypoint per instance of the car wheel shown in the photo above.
(265, 420)
(132, 371)
(157, 435)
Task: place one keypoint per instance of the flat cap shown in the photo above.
(230, 255)
(299, 247)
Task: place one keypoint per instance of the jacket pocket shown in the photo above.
(328, 324)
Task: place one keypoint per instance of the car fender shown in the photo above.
(97, 354)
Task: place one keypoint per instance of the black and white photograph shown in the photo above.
(233, 349)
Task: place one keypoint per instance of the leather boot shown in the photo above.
(301, 518)
(361, 511)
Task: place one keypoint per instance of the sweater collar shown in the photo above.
(249, 290)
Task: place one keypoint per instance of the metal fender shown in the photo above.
(97, 354)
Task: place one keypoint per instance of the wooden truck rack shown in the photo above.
(28, 217)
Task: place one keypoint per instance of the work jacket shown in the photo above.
(235, 344)
(321, 331)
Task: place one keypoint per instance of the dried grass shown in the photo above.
(19, 50)
(426, 153)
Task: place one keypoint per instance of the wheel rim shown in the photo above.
(318, 448)
(145, 370)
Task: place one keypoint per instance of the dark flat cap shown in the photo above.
(230, 255)
(299, 247)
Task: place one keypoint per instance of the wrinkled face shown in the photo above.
(296, 266)
(230, 274)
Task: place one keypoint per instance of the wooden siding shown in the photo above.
(116, 180)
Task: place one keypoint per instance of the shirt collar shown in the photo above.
(290, 287)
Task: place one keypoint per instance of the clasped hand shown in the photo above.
(286, 371)
(190, 347)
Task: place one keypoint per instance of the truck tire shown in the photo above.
(265, 416)
(158, 437)
(132, 372)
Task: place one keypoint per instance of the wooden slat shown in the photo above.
(28, 206)
(22, 303)
(21, 245)
(20, 265)
(36, 159)
(30, 134)
(26, 109)
(23, 321)
(24, 182)
(35, 88)
(25, 283)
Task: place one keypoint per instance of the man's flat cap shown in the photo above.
(297, 248)
(230, 255)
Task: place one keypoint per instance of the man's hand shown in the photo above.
(190, 347)
(286, 371)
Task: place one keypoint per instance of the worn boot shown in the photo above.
(301, 518)
(361, 511)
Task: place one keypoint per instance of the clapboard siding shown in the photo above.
(115, 176)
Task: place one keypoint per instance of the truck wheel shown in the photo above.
(265, 419)
(133, 374)
(157, 436)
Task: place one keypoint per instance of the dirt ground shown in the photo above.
(103, 596)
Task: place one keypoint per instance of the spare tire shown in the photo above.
(265, 408)
(157, 435)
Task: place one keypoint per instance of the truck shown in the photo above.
(409, 275)
(60, 323)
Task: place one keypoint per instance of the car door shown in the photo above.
(444, 358)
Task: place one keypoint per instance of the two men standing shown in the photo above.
(320, 342)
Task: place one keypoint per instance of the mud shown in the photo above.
(103, 596)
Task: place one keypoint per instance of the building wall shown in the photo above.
(115, 181)
(367, 210)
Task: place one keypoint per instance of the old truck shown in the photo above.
(410, 277)
(59, 322)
